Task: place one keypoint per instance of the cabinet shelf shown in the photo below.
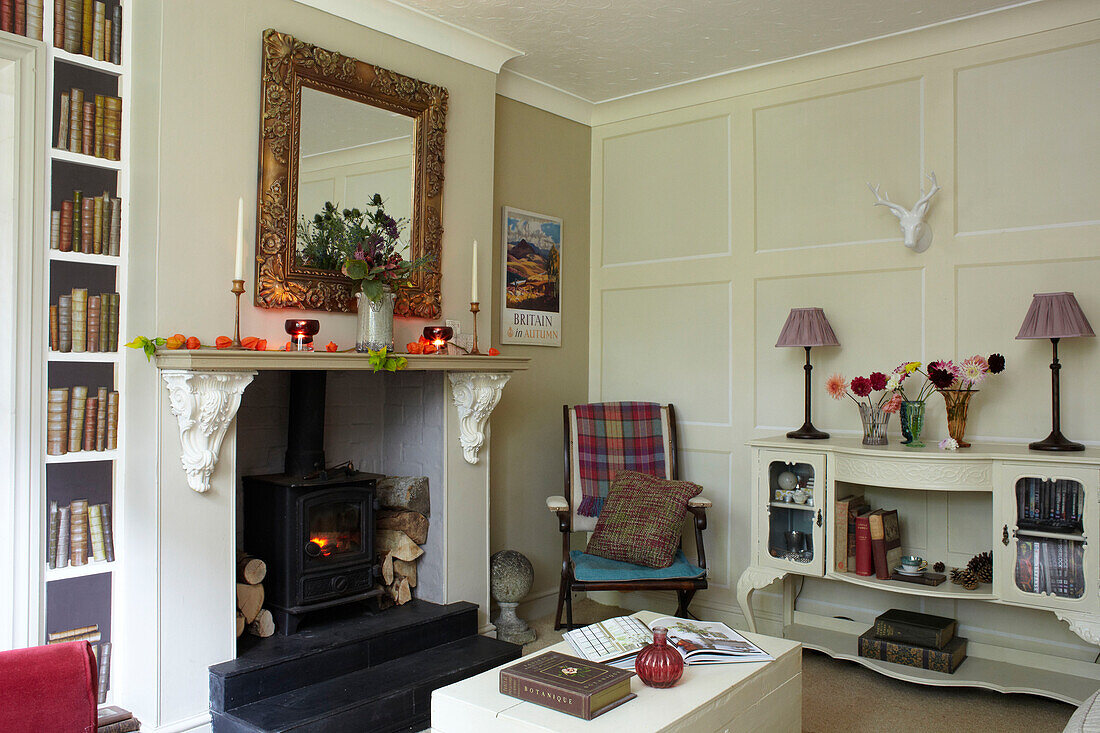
(1051, 535)
(946, 589)
(85, 258)
(88, 160)
(105, 357)
(78, 59)
(84, 456)
(79, 571)
(792, 505)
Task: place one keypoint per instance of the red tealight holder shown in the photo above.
(302, 331)
(439, 336)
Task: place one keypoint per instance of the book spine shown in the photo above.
(19, 18)
(105, 322)
(65, 231)
(104, 671)
(57, 421)
(87, 224)
(878, 547)
(865, 564)
(86, 28)
(34, 19)
(78, 532)
(77, 398)
(97, 229)
(78, 201)
(112, 128)
(101, 419)
(65, 323)
(540, 693)
(59, 23)
(100, 108)
(98, 16)
(55, 229)
(112, 420)
(91, 409)
(7, 15)
(87, 120)
(73, 13)
(69, 634)
(63, 526)
(76, 111)
(105, 223)
(80, 319)
(95, 526)
(108, 529)
(840, 541)
(116, 225)
(939, 660)
(95, 310)
(64, 108)
(108, 38)
(55, 338)
(51, 541)
(915, 635)
(113, 323)
(116, 34)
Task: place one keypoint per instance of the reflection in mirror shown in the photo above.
(348, 152)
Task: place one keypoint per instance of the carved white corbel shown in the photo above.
(204, 404)
(1085, 625)
(475, 395)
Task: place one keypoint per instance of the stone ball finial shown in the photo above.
(510, 576)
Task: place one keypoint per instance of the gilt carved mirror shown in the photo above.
(335, 129)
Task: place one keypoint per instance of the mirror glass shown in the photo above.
(348, 152)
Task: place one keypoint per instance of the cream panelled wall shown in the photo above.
(710, 222)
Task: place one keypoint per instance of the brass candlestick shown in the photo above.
(237, 290)
(474, 308)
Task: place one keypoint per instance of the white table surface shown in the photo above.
(764, 696)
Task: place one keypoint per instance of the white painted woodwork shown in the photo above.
(987, 475)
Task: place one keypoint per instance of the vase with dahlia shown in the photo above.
(957, 383)
(873, 411)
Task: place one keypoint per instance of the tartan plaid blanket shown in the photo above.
(612, 436)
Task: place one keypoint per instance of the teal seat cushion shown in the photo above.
(593, 569)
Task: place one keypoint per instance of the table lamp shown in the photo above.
(1055, 316)
(807, 327)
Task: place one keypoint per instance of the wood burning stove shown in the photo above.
(314, 527)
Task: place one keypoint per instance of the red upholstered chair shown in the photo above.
(49, 689)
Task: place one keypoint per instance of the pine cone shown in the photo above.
(938, 567)
(966, 578)
(982, 567)
(955, 574)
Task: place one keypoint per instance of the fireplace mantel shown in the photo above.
(205, 387)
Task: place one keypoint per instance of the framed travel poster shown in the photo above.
(532, 282)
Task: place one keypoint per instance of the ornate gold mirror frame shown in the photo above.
(288, 65)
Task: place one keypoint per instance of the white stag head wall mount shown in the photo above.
(918, 233)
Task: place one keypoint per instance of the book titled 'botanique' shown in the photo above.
(568, 684)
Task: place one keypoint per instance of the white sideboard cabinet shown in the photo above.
(1039, 514)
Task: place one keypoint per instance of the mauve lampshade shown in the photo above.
(807, 327)
(1055, 316)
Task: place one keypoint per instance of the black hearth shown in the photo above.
(313, 526)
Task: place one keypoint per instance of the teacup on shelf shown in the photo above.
(912, 563)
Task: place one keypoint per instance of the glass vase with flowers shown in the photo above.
(874, 412)
(957, 383)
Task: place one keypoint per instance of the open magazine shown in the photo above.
(617, 641)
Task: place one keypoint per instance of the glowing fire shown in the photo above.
(332, 543)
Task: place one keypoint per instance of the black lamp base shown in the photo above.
(1056, 442)
(807, 432)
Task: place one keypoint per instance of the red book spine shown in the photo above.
(19, 21)
(7, 11)
(865, 564)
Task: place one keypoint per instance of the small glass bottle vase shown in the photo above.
(375, 329)
(912, 423)
(658, 664)
(874, 424)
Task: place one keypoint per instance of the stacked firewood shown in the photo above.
(251, 613)
(400, 528)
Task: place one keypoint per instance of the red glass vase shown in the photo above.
(658, 664)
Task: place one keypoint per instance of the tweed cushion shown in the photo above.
(642, 519)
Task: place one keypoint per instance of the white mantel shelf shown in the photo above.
(205, 388)
(979, 451)
(245, 360)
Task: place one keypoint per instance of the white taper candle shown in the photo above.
(238, 271)
(473, 290)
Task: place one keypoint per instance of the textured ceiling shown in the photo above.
(602, 49)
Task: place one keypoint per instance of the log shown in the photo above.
(250, 599)
(400, 592)
(404, 492)
(387, 568)
(240, 623)
(406, 570)
(251, 570)
(264, 625)
(399, 543)
(414, 524)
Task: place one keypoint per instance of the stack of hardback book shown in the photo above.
(567, 684)
(101, 650)
(22, 17)
(79, 323)
(90, 127)
(113, 719)
(89, 27)
(915, 640)
(89, 224)
(79, 420)
(77, 528)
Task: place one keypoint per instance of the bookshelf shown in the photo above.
(76, 594)
(1035, 512)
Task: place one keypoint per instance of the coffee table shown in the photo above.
(752, 696)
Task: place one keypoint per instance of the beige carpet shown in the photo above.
(839, 696)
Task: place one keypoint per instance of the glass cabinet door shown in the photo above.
(791, 498)
(1049, 518)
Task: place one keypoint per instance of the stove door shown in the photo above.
(337, 528)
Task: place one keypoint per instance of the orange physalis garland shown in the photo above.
(331, 346)
(223, 342)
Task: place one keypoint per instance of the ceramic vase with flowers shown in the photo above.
(874, 412)
(365, 245)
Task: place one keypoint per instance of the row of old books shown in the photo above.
(90, 126)
(77, 420)
(82, 323)
(90, 224)
(915, 640)
(101, 650)
(1054, 567)
(866, 541)
(1052, 506)
(77, 529)
(22, 17)
(88, 27)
